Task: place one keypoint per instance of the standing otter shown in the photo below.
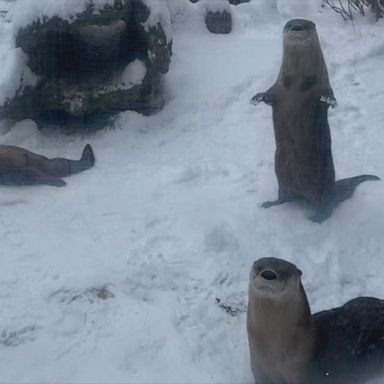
(288, 345)
(21, 167)
(300, 99)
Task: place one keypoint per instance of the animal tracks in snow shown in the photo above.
(199, 172)
(220, 239)
(90, 295)
(13, 338)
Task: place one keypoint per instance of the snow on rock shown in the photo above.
(218, 17)
(179, 9)
(216, 5)
(159, 14)
(134, 73)
(102, 35)
(15, 74)
(25, 12)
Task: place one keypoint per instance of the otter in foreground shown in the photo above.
(300, 99)
(289, 345)
(21, 167)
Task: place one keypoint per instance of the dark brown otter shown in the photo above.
(21, 167)
(288, 345)
(300, 99)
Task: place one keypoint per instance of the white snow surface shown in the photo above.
(169, 219)
(134, 73)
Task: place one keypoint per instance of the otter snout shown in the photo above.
(297, 28)
(269, 275)
(273, 269)
(298, 25)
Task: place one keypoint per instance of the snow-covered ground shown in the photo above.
(114, 278)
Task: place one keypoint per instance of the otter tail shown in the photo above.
(86, 161)
(88, 157)
(344, 188)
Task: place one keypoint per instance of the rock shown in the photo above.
(219, 21)
(100, 62)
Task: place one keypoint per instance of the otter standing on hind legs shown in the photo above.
(21, 167)
(300, 99)
(288, 345)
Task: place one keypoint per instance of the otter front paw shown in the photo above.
(262, 97)
(330, 100)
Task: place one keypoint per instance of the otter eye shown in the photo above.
(269, 275)
(299, 271)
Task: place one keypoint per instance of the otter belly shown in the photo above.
(298, 176)
(303, 158)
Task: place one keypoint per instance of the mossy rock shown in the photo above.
(106, 61)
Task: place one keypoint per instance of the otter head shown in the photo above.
(274, 278)
(303, 65)
(299, 32)
(279, 322)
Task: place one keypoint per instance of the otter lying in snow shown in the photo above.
(288, 345)
(21, 167)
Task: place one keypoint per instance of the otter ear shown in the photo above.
(299, 271)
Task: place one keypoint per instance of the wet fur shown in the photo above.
(289, 346)
(280, 335)
(303, 158)
(349, 342)
(19, 166)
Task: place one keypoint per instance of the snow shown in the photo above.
(169, 219)
(15, 74)
(159, 14)
(134, 73)
(24, 12)
(215, 5)
(102, 35)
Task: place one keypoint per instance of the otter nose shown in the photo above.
(297, 27)
(269, 275)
